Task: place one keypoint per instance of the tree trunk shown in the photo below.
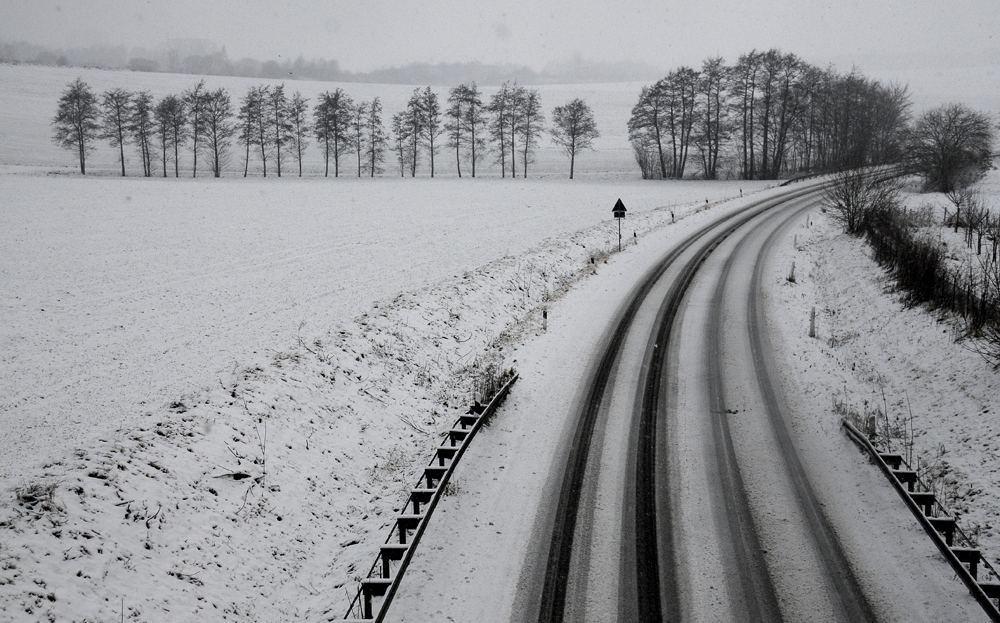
(659, 150)
(513, 152)
(83, 157)
(413, 162)
(263, 151)
(326, 156)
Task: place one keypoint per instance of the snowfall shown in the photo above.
(215, 394)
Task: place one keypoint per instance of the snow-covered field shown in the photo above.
(123, 295)
(214, 392)
(162, 338)
(152, 357)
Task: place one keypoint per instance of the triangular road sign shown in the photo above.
(619, 209)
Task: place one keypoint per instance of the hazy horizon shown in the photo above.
(944, 52)
(879, 34)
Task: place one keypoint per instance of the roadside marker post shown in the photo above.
(619, 212)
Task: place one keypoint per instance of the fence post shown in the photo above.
(812, 322)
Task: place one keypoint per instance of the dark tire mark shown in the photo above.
(849, 600)
(656, 583)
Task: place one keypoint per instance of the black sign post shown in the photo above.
(619, 212)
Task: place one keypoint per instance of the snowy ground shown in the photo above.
(258, 490)
(121, 296)
(142, 406)
(869, 343)
(178, 444)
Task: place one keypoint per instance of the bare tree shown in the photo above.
(774, 112)
(574, 129)
(646, 126)
(331, 120)
(713, 128)
(281, 127)
(401, 138)
(474, 122)
(171, 121)
(856, 195)
(375, 138)
(297, 117)
(415, 127)
(453, 127)
(116, 109)
(249, 123)
(531, 122)
(264, 137)
(140, 125)
(518, 97)
(680, 88)
(501, 123)
(950, 146)
(77, 120)
(743, 86)
(194, 104)
(356, 131)
(465, 120)
(162, 115)
(218, 114)
(432, 122)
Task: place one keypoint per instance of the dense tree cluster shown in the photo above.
(767, 115)
(272, 128)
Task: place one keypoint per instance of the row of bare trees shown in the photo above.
(768, 114)
(508, 127)
(121, 117)
(272, 128)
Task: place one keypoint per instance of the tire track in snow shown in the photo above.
(658, 593)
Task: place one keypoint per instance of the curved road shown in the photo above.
(710, 515)
(659, 464)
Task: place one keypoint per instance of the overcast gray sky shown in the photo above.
(370, 34)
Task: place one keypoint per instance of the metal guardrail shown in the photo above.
(939, 524)
(384, 577)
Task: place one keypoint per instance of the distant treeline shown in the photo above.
(270, 127)
(770, 114)
(202, 58)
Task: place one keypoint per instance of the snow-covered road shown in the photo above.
(775, 538)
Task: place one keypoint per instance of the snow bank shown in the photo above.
(873, 353)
